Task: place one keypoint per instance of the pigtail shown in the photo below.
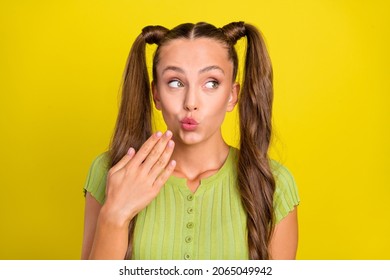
(255, 179)
(133, 125)
(255, 110)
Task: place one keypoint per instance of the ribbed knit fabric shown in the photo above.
(208, 224)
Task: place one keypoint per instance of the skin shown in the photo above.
(194, 80)
(199, 86)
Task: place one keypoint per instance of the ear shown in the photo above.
(156, 97)
(233, 97)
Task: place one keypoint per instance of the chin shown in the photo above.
(189, 138)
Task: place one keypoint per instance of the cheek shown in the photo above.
(216, 111)
(218, 106)
(170, 105)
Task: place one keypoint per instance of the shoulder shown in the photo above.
(286, 195)
(97, 175)
(101, 161)
(100, 165)
(281, 173)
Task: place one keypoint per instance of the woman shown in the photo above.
(186, 194)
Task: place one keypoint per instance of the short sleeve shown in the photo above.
(286, 195)
(96, 180)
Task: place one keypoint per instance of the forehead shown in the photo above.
(194, 53)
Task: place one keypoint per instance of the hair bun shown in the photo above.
(153, 34)
(234, 31)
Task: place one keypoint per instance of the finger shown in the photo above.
(155, 154)
(163, 160)
(124, 160)
(163, 177)
(147, 147)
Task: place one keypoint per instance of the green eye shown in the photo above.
(175, 84)
(212, 84)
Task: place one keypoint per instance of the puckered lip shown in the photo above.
(187, 120)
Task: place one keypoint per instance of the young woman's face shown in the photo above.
(194, 88)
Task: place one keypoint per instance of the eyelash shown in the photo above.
(175, 81)
(178, 84)
(215, 83)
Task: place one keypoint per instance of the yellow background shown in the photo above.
(61, 64)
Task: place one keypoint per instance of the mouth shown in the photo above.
(189, 124)
(189, 121)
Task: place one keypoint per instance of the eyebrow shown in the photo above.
(206, 69)
(210, 68)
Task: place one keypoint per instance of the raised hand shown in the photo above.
(131, 185)
(138, 177)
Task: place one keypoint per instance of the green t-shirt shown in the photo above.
(208, 224)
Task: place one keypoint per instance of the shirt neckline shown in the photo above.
(182, 182)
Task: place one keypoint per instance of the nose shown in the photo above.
(190, 107)
(191, 101)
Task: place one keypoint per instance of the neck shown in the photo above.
(195, 162)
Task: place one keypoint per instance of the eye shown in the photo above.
(212, 84)
(175, 84)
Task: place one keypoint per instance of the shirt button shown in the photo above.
(190, 225)
(188, 239)
(187, 257)
(190, 197)
(190, 210)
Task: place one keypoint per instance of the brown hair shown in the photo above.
(255, 180)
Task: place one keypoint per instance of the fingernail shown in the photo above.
(173, 162)
(158, 134)
(168, 133)
(171, 144)
(130, 151)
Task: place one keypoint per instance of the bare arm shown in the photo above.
(91, 213)
(110, 238)
(284, 241)
(97, 224)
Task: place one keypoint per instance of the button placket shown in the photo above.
(189, 227)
